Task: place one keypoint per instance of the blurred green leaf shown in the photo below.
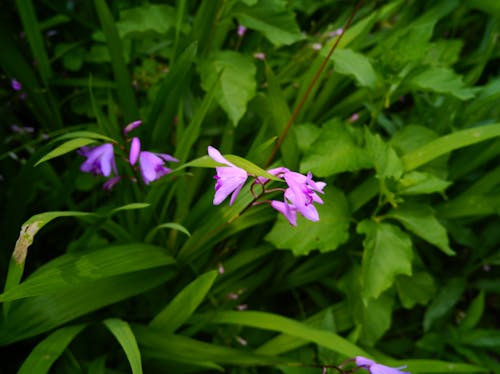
(444, 301)
(415, 289)
(387, 253)
(122, 332)
(43, 356)
(383, 156)
(271, 18)
(416, 183)
(442, 80)
(474, 312)
(349, 62)
(326, 235)
(235, 74)
(178, 311)
(336, 150)
(420, 220)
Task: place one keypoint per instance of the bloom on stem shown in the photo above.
(299, 196)
(375, 368)
(131, 126)
(100, 160)
(151, 164)
(230, 178)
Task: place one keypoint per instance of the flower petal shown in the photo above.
(135, 149)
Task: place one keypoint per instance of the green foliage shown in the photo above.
(402, 126)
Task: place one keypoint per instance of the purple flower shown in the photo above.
(151, 164)
(375, 368)
(299, 196)
(16, 85)
(110, 183)
(241, 30)
(230, 178)
(259, 56)
(100, 160)
(131, 126)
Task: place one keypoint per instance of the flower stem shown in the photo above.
(299, 106)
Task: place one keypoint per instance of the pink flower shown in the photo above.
(299, 196)
(131, 126)
(259, 56)
(241, 30)
(230, 178)
(100, 160)
(151, 164)
(375, 368)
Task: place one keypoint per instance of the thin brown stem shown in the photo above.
(311, 85)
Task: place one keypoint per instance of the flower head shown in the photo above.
(230, 178)
(151, 164)
(241, 30)
(131, 126)
(299, 196)
(100, 160)
(375, 368)
(15, 84)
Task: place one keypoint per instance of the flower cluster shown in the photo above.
(299, 196)
(101, 160)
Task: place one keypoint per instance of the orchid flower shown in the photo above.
(100, 160)
(230, 178)
(375, 368)
(151, 164)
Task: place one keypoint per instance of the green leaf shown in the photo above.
(326, 235)
(132, 206)
(76, 269)
(383, 156)
(271, 18)
(158, 18)
(122, 332)
(43, 356)
(178, 311)
(387, 253)
(348, 62)
(35, 315)
(235, 74)
(416, 183)
(418, 288)
(448, 143)
(274, 322)
(420, 220)
(444, 301)
(474, 312)
(336, 150)
(435, 366)
(85, 134)
(168, 225)
(442, 80)
(66, 147)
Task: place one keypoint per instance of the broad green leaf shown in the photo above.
(416, 183)
(489, 338)
(271, 18)
(336, 150)
(78, 269)
(470, 206)
(43, 356)
(488, 6)
(274, 322)
(448, 143)
(66, 147)
(420, 220)
(178, 311)
(326, 235)
(35, 315)
(447, 297)
(384, 158)
(416, 289)
(306, 135)
(235, 74)
(160, 345)
(348, 62)
(435, 366)
(122, 332)
(474, 312)
(28, 231)
(387, 253)
(442, 80)
(158, 18)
